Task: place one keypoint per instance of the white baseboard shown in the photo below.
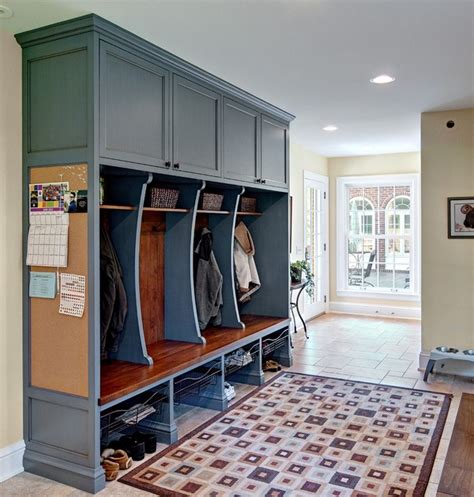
(375, 310)
(11, 460)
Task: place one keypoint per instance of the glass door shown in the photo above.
(316, 241)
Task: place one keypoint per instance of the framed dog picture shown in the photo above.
(461, 217)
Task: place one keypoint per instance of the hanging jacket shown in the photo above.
(208, 283)
(246, 273)
(113, 299)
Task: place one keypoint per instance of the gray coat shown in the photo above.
(208, 283)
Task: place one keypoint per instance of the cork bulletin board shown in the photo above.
(59, 343)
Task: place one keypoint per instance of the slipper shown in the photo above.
(111, 469)
(121, 458)
(271, 366)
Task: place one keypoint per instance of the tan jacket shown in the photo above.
(245, 268)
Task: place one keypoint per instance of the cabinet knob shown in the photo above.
(258, 180)
(176, 165)
(263, 181)
(167, 163)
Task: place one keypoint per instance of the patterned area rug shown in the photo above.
(303, 435)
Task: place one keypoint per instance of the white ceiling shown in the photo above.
(312, 58)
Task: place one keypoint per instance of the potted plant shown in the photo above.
(301, 271)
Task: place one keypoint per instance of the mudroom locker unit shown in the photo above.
(115, 117)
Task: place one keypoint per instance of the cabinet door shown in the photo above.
(241, 142)
(196, 128)
(134, 108)
(274, 152)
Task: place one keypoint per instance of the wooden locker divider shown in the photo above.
(181, 321)
(59, 343)
(125, 229)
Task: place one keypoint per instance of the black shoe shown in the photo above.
(133, 447)
(149, 439)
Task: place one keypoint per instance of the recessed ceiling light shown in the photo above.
(382, 79)
(330, 127)
(5, 12)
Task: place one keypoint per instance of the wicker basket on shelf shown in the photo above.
(248, 204)
(212, 201)
(163, 198)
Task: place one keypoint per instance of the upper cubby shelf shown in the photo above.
(162, 209)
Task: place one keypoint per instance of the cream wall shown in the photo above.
(361, 166)
(11, 415)
(447, 170)
(301, 159)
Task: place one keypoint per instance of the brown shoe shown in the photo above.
(271, 366)
(111, 469)
(121, 458)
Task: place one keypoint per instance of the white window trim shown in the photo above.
(342, 289)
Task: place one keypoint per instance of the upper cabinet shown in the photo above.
(241, 142)
(89, 80)
(134, 108)
(196, 127)
(255, 146)
(275, 158)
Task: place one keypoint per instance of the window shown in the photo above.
(361, 217)
(377, 236)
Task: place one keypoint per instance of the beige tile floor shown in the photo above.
(341, 346)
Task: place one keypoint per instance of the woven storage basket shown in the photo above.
(248, 204)
(212, 201)
(163, 198)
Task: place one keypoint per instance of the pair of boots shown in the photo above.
(112, 460)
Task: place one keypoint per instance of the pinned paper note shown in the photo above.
(42, 285)
(72, 294)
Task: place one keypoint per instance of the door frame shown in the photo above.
(311, 176)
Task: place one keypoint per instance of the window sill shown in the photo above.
(378, 295)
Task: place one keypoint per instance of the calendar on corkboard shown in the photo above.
(49, 225)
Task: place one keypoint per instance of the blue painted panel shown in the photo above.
(59, 426)
(181, 321)
(57, 87)
(134, 103)
(125, 227)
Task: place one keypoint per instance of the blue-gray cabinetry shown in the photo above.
(275, 153)
(255, 146)
(196, 127)
(134, 108)
(99, 101)
(241, 142)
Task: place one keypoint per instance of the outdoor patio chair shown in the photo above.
(355, 276)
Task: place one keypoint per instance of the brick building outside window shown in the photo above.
(375, 245)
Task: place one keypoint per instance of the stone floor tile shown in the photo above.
(399, 365)
(375, 374)
(399, 381)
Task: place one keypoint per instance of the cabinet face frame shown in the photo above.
(227, 173)
(264, 174)
(179, 80)
(109, 50)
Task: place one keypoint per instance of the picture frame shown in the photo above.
(461, 217)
